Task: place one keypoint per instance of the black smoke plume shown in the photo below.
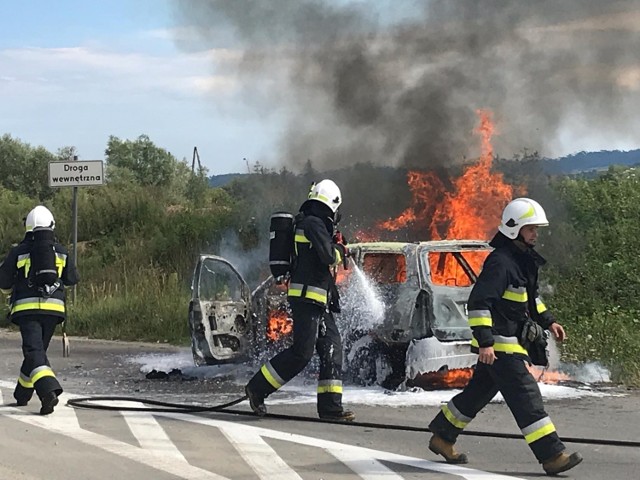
(398, 83)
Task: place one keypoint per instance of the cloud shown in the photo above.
(86, 71)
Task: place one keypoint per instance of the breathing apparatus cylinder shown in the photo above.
(281, 242)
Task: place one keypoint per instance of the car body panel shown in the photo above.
(220, 319)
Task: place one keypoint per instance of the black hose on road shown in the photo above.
(167, 407)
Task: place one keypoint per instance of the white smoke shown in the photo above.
(592, 372)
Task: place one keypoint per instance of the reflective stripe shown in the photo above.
(539, 429)
(25, 381)
(312, 293)
(454, 416)
(300, 237)
(540, 307)
(480, 318)
(329, 386)
(61, 262)
(6, 291)
(319, 196)
(272, 376)
(504, 345)
(279, 262)
(40, 372)
(37, 303)
(24, 261)
(529, 213)
(515, 294)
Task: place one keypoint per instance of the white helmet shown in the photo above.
(521, 212)
(326, 192)
(39, 217)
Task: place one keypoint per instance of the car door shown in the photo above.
(219, 312)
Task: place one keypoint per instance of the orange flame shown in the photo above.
(278, 324)
(458, 378)
(551, 377)
(470, 208)
(455, 378)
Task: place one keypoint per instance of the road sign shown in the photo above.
(78, 173)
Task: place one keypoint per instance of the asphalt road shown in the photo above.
(90, 444)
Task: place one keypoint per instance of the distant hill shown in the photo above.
(576, 163)
(222, 180)
(588, 161)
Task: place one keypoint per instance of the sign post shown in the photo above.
(86, 173)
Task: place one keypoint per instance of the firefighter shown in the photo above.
(313, 299)
(502, 301)
(37, 310)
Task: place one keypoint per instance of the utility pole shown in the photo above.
(74, 222)
(196, 156)
(247, 162)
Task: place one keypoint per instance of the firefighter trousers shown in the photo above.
(313, 327)
(36, 373)
(509, 376)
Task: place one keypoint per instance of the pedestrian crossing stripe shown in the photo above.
(156, 449)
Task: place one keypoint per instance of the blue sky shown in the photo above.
(73, 72)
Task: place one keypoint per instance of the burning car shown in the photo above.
(418, 328)
(404, 312)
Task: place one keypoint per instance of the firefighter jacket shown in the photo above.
(25, 298)
(505, 296)
(315, 252)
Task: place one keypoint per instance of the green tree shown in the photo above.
(151, 165)
(24, 168)
(596, 293)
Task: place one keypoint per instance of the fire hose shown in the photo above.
(167, 407)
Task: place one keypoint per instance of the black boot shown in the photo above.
(21, 402)
(256, 402)
(49, 401)
(343, 416)
(22, 395)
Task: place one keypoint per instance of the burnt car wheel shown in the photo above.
(367, 363)
(371, 362)
(361, 366)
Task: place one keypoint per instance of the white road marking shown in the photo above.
(330, 446)
(64, 422)
(364, 465)
(150, 435)
(248, 440)
(264, 461)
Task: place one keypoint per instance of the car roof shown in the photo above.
(426, 245)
